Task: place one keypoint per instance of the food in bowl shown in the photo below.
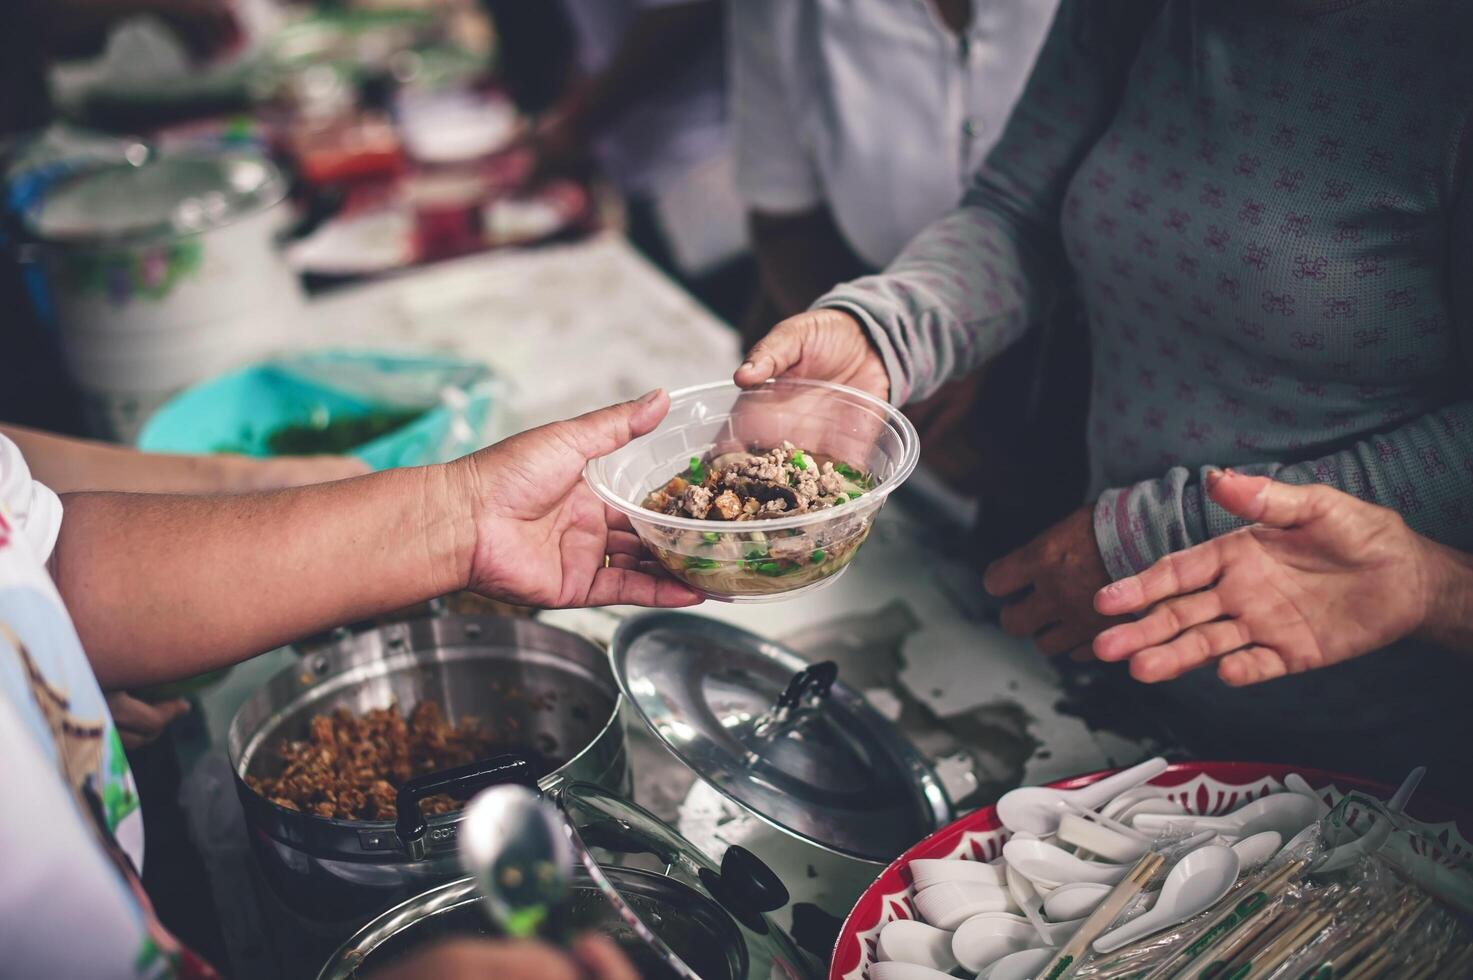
(796, 471)
(325, 434)
(351, 768)
(752, 486)
(755, 486)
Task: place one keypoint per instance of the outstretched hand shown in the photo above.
(541, 536)
(1321, 577)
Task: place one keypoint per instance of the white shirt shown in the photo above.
(70, 823)
(873, 107)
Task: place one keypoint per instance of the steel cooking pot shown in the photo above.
(546, 693)
(676, 913)
(794, 765)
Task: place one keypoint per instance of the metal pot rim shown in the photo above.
(241, 750)
(274, 190)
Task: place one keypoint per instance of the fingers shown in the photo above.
(623, 543)
(775, 353)
(601, 432)
(1189, 651)
(1010, 575)
(1252, 665)
(603, 959)
(1159, 625)
(1176, 574)
(616, 586)
(1267, 501)
(1027, 616)
(139, 722)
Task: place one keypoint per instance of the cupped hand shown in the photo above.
(828, 345)
(592, 958)
(542, 538)
(139, 722)
(1051, 580)
(1321, 577)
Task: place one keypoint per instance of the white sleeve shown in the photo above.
(30, 506)
(773, 170)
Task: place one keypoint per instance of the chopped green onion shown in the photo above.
(769, 568)
(844, 469)
(816, 557)
(798, 460)
(756, 555)
(856, 496)
(697, 471)
(694, 562)
(710, 537)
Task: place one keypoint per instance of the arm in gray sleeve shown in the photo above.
(973, 282)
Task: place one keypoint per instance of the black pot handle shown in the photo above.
(748, 876)
(460, 782)
(811, 684)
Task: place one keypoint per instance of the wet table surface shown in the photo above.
(574, 327)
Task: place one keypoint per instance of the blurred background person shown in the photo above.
(858, 123)
(641, 98)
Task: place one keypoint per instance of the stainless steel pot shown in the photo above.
(550, 692)
(794, 765)
(676, 913)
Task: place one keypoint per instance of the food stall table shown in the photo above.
(572, 327)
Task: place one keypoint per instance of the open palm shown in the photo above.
(541, 536)
(1321, 578)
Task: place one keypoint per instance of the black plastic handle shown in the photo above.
(813, 681)
(460, 782)
(746, 887)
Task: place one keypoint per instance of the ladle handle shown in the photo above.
(460, 782)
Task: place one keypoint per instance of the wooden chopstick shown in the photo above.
(1295, 938)
(1066, 960)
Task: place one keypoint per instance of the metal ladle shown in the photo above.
(517, 848)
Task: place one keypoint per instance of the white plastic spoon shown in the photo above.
(1026, 897)
(1129, 798)
(1194, 884)
(1157, 804)
(908, 941)
(1053, 866)
(1074, 900)
(1296, 783)
(1287, 813)
(1101, 840)
(1018, 966)
(1255, 850)
(1037, 809)
(949, 904)
(984, 939)
(926, 872)
(904, 971)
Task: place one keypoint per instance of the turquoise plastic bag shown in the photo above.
(238, 412)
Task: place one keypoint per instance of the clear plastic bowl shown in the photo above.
(731, 561)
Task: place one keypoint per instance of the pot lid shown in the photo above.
(780, 737)
(161, 196)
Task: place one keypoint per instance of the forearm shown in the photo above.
(800, 256)
(69, 465)
(1449, 619)
(162, 587)
(1417, 470)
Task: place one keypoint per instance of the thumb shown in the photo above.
(775, 353)
(600, 432)
(1264, 500)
